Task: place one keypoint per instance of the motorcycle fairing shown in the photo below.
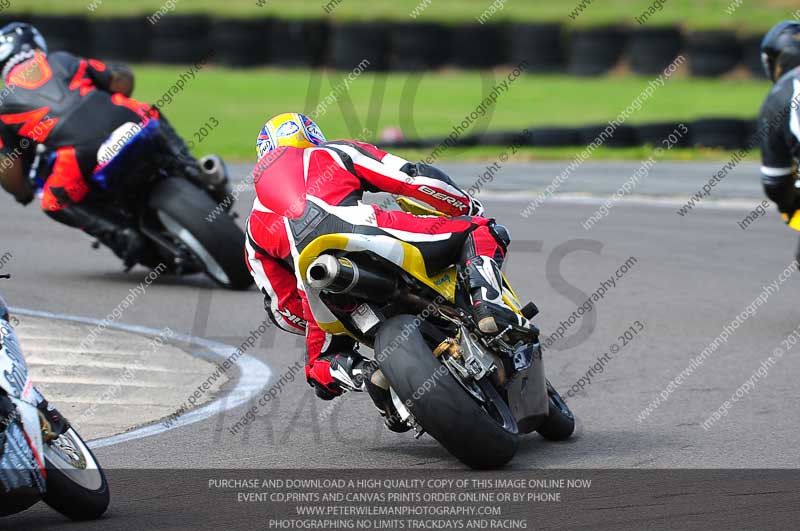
(398, 252)
(33, 429)
(21, 465)
(16, 382)
(418, 209)
(14, 377)
(139, 145)
(794, 221)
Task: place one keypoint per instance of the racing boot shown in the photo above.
(209, 173)
(377, 387)
(179, 149)
(125, 242)
(353, 372)
(483, 282)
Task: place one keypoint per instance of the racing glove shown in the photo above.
(475, 208)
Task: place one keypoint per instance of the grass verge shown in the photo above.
(427, 105)
(747, 14)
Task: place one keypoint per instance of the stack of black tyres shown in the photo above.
(716, 133)
(621, 137)
(7, 18)
(713, 53)
(656, 134)
(180, 39)
(121, 39)
(751, 51)
(476, 46)
(298, 43)
(553, 137)
(725, 133)
(651, 50)
(460, 141)
(595, 51)
(241, 42)
(541, 46)
(417, 46)
(65, 32)
(501, 138)
(355, 42)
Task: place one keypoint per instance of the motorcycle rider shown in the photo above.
(71, 106)
(307, 187)
(779, 121)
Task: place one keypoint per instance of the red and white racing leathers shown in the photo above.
(332, 178)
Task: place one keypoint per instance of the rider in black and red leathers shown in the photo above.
(70, 106)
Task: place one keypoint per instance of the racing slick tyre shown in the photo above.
(76, 484)
(438, 401)
(218, 244)
(560, 423)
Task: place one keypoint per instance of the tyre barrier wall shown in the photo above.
(396, 45)
(713, 133)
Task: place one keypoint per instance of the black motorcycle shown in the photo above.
(185, 219)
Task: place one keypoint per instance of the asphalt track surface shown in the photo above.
(692, 275)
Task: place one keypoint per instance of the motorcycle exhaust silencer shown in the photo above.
(215, 172)
(341, 275)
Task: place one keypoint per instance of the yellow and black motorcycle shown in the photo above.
(475, 394)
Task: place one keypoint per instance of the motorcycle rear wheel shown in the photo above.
(438, 402)
(218, 244)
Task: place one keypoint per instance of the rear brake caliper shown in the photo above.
(450, 347)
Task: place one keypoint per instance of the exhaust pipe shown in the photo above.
(341, 275)
(215, 172)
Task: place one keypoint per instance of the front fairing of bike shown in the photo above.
(15, 380)
(135, 157)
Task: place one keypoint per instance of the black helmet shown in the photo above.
(780, 49)
(18, 41)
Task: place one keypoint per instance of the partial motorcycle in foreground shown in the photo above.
(42, 458)
(185, 219)
(475, 394)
